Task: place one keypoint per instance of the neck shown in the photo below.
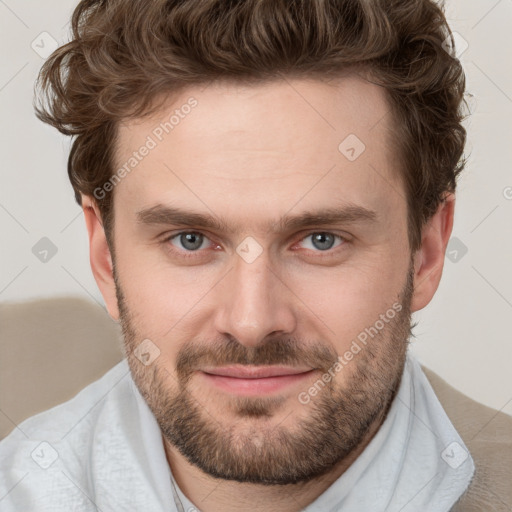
(209, 494)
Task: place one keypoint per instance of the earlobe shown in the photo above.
(429, 259)
(100, 256)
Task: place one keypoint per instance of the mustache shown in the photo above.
(278, 351)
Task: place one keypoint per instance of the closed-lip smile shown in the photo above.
(254, 380)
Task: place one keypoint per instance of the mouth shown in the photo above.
(254, 380)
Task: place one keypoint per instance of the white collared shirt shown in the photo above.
(103, 450)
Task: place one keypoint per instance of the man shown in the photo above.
(268, 188)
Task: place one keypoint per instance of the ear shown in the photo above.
(99, 256)
(429, 259)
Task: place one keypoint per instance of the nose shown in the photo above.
(254, 302)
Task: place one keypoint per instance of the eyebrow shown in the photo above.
(168, 215)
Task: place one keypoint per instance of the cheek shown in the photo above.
(162, 299)
(344, 302)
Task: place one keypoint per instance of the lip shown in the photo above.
(254, 380)
(254, 372)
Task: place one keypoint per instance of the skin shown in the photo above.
(250, 155)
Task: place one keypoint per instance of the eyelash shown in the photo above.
(194, 254)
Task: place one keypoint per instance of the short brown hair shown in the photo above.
(124, 54)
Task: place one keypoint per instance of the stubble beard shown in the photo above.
(251, 449)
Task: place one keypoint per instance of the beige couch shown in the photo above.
(49, 350)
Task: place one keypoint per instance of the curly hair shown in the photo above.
(126, 54)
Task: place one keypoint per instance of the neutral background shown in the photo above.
(465, 334)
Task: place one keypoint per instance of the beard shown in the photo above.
(252, 449)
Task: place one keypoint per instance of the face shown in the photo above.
(268, 330)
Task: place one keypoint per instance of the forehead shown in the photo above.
(263, 146)
(269, 114)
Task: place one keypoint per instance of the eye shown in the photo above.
(323, 241)
(188, 241)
